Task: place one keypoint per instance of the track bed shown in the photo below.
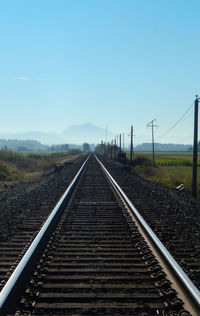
(96, 262)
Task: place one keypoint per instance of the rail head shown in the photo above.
(7, 293)
(191, 290)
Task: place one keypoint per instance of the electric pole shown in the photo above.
(150, 124)
(120, 143)
(106, 132)
(131, 147)
(123, 142)
(102, 147)
(111, 149)
(115, 148)
(195, 148)
(108, 150)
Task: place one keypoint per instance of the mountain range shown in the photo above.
(75, 134)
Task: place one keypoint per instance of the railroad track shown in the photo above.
(96, 259)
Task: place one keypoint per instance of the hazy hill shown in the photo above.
(86, 133)
(76, 134)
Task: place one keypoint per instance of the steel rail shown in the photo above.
(6, 294)
(185, 281)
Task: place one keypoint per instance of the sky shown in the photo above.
(113, 63)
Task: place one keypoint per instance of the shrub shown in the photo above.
(146, 167)
(7, 173)
(187, 163)
(12, 156)
(144, 161)
(14, 165)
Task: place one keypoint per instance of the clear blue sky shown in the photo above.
(108, 62)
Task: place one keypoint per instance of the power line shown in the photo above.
(177, 122)
(179, 130)
(189, 115)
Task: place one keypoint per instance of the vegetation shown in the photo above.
(64, 147)
(163, 147)
(34, 145)
(173, 163)
(171, 169)
(22, 145)
(9, 174)
(18, 166)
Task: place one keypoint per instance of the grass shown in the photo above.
(171, 168)
(9, 173)
(172, 162)
(182, 174)
(15, 166)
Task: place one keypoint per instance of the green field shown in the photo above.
(170, 168)
(168, 155)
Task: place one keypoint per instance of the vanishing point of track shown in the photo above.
(95, 259)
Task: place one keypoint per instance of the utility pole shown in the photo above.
(106, 132)
(120, 143)
(131, 147)
(102, 147)
(195, 148)
(150, 124)
(115, 148)
(111, 149)
(108, 149)
(123, 142)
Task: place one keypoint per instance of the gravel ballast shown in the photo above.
(174, 216)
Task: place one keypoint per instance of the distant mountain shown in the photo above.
(163, 147)
(76, 134)
(86, 133)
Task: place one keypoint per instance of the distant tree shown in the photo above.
(22, 148)
(86, 147)
(15, 144)
(64, 147)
